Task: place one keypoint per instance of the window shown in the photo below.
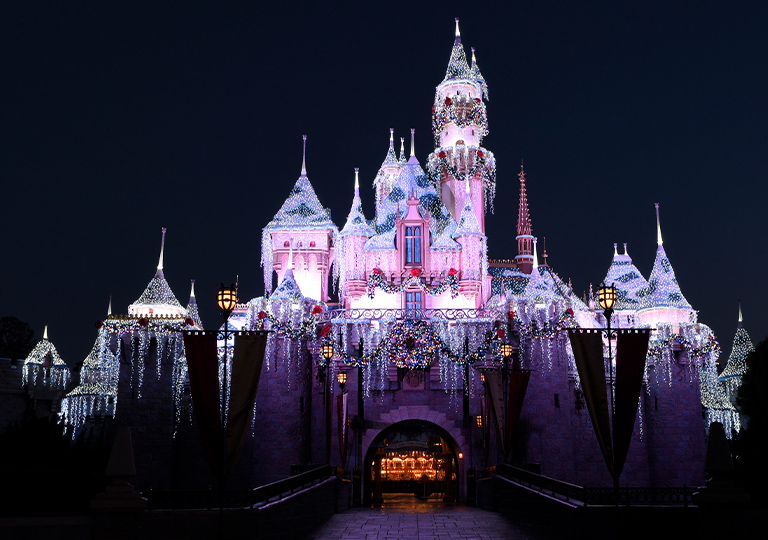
(413, 245)
(412, 301)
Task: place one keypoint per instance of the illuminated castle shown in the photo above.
(418, 328)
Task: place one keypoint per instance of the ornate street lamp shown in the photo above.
(227, 299)
(327, 350)
(506, 350)
(341, 377)
(606, 296)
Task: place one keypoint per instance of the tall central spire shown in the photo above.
(525, 241)
(304, 157)
(659, 241)
(162, 249)
(523, 216)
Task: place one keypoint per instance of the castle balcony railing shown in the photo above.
(342, 316)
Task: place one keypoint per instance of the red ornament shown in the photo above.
(377, 271)
(316, 310)
(325, 331)
(569, 311)
(447, 101)
(480, 154)
(477, 99)
(452, 272)
(500, 332)
(262, 315)
(511, 315)
(98, 324)
(441, 154)
(144, 322)
(189, 322)
(415, 272)
(433, 109)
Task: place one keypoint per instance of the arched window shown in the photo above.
(413, 245)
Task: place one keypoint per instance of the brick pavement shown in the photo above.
(405, 520)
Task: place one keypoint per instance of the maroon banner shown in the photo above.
(518, 385)
(341, 415)
(203, 367)
(247, 359)
(587, 347)
(495, 389)
(631, 351)
(486, 427)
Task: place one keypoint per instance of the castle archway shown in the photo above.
(412, 458)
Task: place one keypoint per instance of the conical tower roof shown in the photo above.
(742, 346)
(468, 224)
(627, 278)
(356, 224)
(457, 65)
(662, 289)
(477, 76)
(43, 349)
(158, 293)
(302, 208)
(288, 288)
(192, 311)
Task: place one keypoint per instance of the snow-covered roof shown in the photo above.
(662, 289)
(627, 278)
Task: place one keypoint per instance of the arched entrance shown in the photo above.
(412, 457)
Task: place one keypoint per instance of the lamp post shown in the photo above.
(341, 378)
(226, 299)
(327, 351)
(606, 297)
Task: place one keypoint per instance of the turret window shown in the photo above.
(413, 245)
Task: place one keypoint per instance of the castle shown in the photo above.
(401, 394)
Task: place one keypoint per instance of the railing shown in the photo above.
(651, 496)
(341, 315)
(237, 498)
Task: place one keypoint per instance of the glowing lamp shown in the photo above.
(341, 377)
(606, 296)
(227, 299)
(506, 349)
(327, 351)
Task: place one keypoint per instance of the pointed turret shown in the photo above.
(388, 173)
(627, 279)
(356, 224)
(468, 225)
(457, 65)
(524, 258)
(402, 159)
(192, 311)
(662, 301)
(157, 298)
(303, 216)
(477, 76)
(45, 363)
(742, 346)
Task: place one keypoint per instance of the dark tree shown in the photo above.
(16, 338)
(752, 441)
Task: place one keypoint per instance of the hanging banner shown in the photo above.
(341, 415)
(587, 347)
(247, 360)
(485, 405)
(631, 351)
(518, 385)
(203, 368)
(495, 390)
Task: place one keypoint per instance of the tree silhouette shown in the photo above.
(16, 338)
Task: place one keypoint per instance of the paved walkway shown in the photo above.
(407, 518)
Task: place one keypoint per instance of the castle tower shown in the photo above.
(388, 173)
(192, 310)
(662, 301)
(524, 258)
(628, 281)
(302, 229)
(474, 256)
(158, 298)
(352, 239)
(737, 365)
(459, 123)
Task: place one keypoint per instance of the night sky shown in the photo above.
(117, 120)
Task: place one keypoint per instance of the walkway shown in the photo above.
(406, 518)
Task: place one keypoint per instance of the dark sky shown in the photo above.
(120, 118)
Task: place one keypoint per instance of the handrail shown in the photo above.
(238, 498)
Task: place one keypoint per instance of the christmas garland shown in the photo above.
(413, 344)
(377, 279)
(534, 330)
(157, 325)
(484, 165)
(460, 111)
(306, 328)
(656, 348)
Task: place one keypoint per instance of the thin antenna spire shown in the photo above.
(544, 254)
(474, 61)
(357, 182)
(625, 249)
(413, 144)
(535, 254)
(45, 332)
(109, 307)
(391, 138)
(658, 226)
(615, 249)
(458, 34)
(304, 157)
(741, 318)
(162, 249)
(192, 292)
(402, 148)
(237, 284)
